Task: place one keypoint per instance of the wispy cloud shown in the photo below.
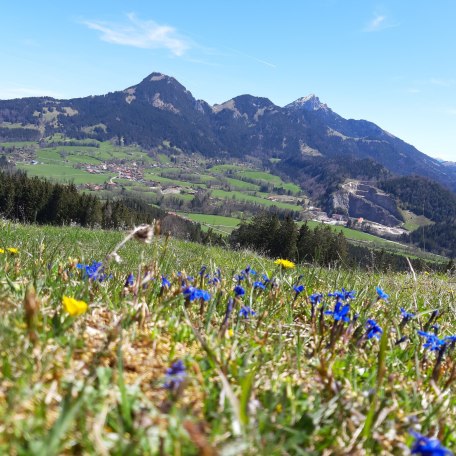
(8, 93)
(144, 34)
(378, 23)
(256, 59)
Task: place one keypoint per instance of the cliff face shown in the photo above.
(361, 200)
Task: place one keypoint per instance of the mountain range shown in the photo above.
(304, 135)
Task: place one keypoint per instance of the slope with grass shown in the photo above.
(127, 358)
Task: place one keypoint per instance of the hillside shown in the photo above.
(155, 142)
(160, 109)
(188, 349)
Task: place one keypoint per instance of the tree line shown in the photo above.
(425, 197)
(35, 200)
(277, 238)
(266, 233)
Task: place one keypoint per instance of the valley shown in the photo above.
(212, 192)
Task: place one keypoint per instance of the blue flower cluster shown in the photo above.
(94, 271)
(343, 295)
(373, 330)
(426, 446)
(247, 312)
(433, 343)
(340, 312)
(315, 298)
(192, 293)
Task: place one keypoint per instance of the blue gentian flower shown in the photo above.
(189, 293)
(451, 339)
(246, 312)
(381, 294)
(130, 280)
(433, 343)
(248, 270)
(165, 282)
(406, 315)
(259, 285)
(192, 293)
(214, 281)
(240, 277)
(203, 294)
(175, 375)
(265, 278)
(239, 291)
(344, 295)
(315, 298)
(340, 312)
(94, 271)
(298, 289)
(426, 446)
(202, 270)
(373, 330)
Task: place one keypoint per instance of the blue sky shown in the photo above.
(390, 62)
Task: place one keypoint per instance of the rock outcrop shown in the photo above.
(356, 200)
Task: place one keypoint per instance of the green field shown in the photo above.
(19, 144)
(226, 168)
(239, 196)
(352, 234)
(63, 173)
(270, 179)
(241, 185)
(86, 362)
(413, 221)
(218, 223)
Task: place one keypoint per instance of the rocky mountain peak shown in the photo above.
(309, 103)
(246, 106)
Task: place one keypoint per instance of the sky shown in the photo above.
(390, 62)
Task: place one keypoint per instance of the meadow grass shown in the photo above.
(155, 367)
(240, 196)
(271, 179)
(226, 168)
(218, 223)
(239, 184)
(414, 221)
(18, 144)
(65, 173)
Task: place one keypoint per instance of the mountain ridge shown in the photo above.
(160, 108)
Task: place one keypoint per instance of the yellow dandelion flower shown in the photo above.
(2, 251)
(287, 264)
(73, 306)
(13, 250)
